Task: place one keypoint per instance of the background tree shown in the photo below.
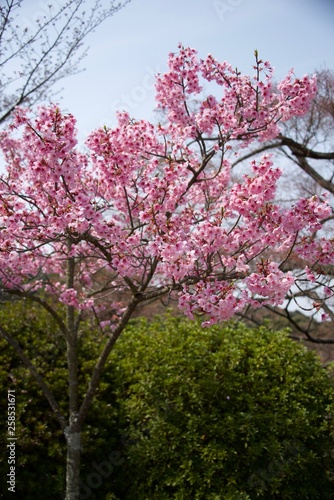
(37, 53)
(150, 212)
(305, 149)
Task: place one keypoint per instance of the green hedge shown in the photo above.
(181, 413)
(223, 413)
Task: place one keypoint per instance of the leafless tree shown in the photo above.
(40, 48)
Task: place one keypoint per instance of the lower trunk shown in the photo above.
(73, 444)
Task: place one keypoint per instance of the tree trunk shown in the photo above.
(73, 431)
(73, 445)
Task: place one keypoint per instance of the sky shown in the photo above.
(128, 49)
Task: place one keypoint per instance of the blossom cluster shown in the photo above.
(150, 210)
(248, 106)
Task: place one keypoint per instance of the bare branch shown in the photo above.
(35, 55)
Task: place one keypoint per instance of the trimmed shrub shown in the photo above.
(222, 413)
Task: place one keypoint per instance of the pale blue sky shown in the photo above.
(130, 47)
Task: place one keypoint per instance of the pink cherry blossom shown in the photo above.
(150, 211)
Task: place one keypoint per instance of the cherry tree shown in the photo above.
(149, 212)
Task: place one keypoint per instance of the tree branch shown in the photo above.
(94, 381)
(44, 304)
(37, 376)
(300, 150)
